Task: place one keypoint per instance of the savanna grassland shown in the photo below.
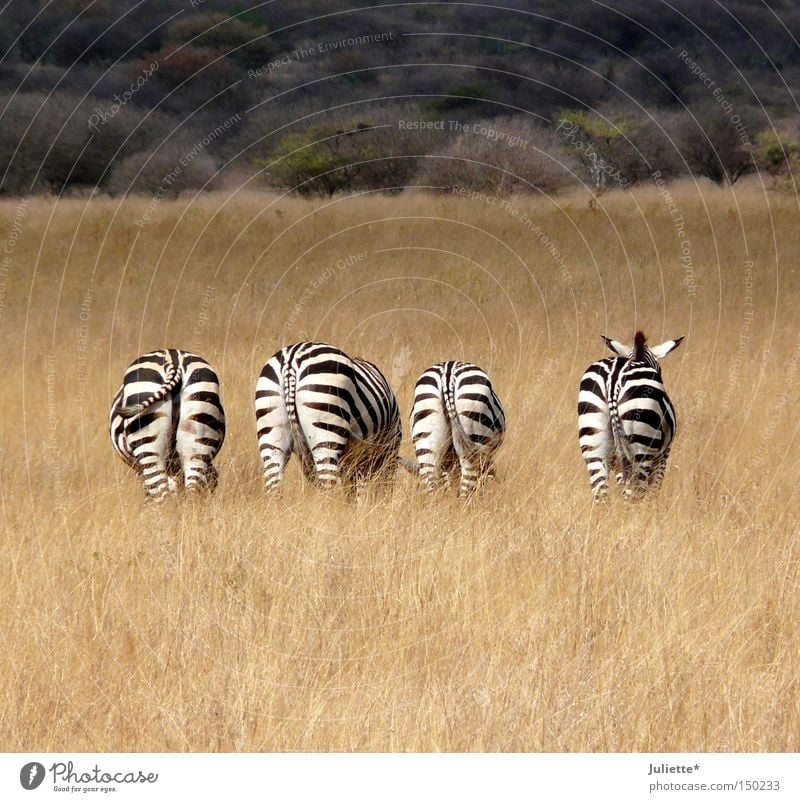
(526, 619)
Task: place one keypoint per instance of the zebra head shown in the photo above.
(640, 351)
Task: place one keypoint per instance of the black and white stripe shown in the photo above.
(337, 413)
(626, 421)
(457, 424)
(167, 421)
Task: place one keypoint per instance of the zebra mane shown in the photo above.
(639, 347)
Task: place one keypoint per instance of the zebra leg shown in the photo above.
(275, 447)
(659, 468)
(275, 452)
(596, 442)
(637, 478)
(157, 484)
(623, 471)
(195, 456)
(327, 444)
(477, 467)
(450, 468)
(469, 462)
(470, 475)
(149, 438)
(201, 427)
(327, 456)
(431, 453)
(598, 476)
(326, 439)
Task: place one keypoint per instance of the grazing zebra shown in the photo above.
(625, 418)
(457, 423)
(167, 421)
(336, 412)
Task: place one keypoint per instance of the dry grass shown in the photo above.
(526, 620)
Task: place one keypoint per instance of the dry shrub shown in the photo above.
(501, 156)
(174, 168)
(54, 143)
(345, 156)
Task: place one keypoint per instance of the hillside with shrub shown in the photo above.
(109, 96)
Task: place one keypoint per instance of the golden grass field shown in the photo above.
(526, 619)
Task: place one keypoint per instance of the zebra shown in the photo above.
(626, 421)
(167, 421)
(457, 423)
(336, 412)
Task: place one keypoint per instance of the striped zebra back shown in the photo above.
(626, 421)
(167, 421)
(457, 423)
(337, 413)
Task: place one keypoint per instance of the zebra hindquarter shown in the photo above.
(325, 429)
(595, 433)
(654, 463)
(668, 429)
(659, 469)
(433, 443)
(196, 444)
(477, 435)
(151, 438)
(200, 430)
(274, 431)
(646, 435)
(476, 461)
(597, 449)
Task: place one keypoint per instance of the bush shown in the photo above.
(48, 143)
(311, 163)
(92, 40)
(165, 173)
(602, 143)
(344, 156)
(777, 152)
(517, 156)
(245, 41)
(621, 150)
(717, 145)
(190, 64)
(462, 97)
(653, 149)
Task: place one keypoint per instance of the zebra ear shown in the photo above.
(617, 347)
(660, 351)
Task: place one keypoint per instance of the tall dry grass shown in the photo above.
(527, 619)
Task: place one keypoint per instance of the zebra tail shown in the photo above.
(289, 388)
(622, 445)
(171, 381)
(448, 391)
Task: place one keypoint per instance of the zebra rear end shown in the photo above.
(167, 422)
(337, 413)
(457, 425)
(626, 421)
